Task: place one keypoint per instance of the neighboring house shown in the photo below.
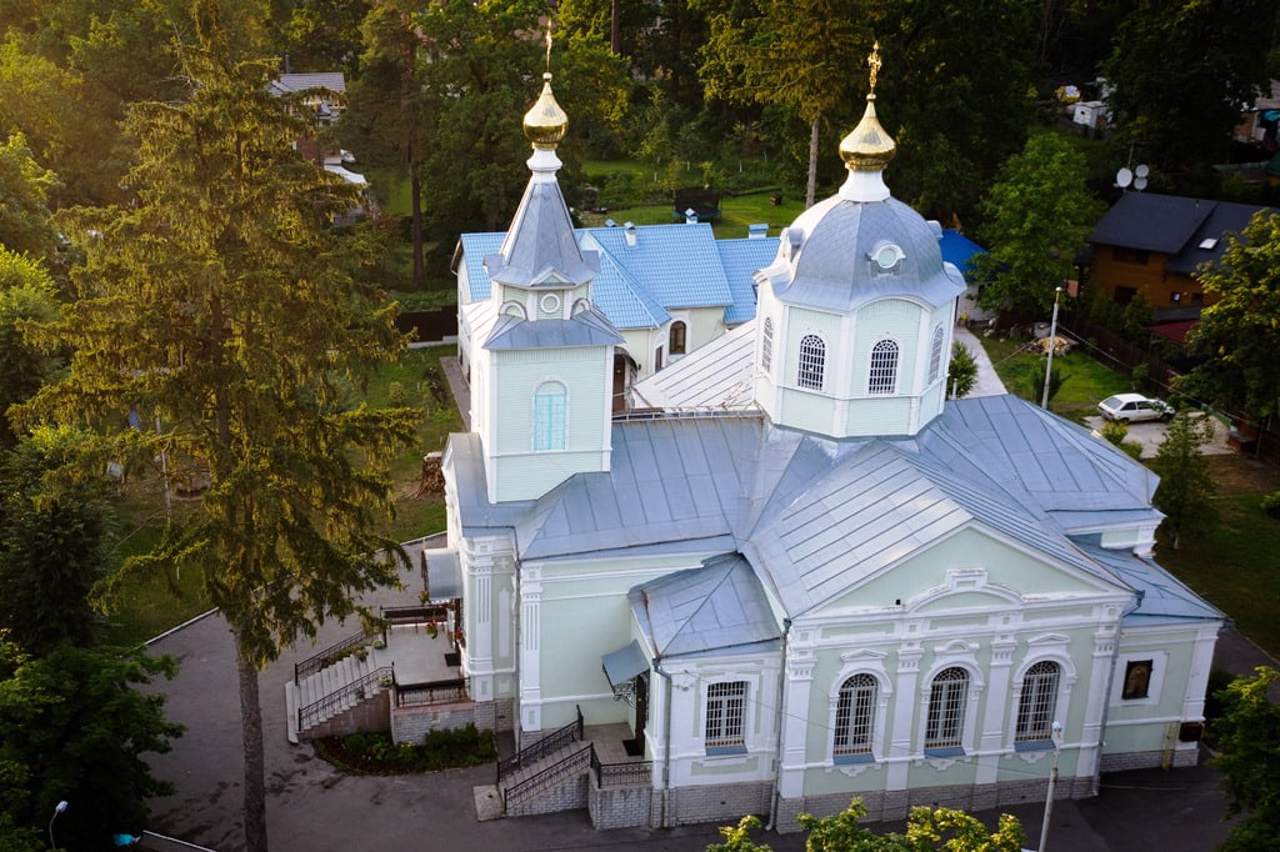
(840, 584)
(1154, 244)
(1261, 121)
(667, 289)
(324, 92)
(960, 250)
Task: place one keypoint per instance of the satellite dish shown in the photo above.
(1142, 171)
(1140, 184)
(1124, 177)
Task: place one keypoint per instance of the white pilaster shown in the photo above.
(530, 658)
(1091, 736)
(795, 728)
(909, 654)
(993, 720)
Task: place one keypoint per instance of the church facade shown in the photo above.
(801, 573)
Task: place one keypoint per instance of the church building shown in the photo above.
(794, 571)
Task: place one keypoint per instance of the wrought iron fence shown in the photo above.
(575, 762)
(637, 773)
(318, 711)
(554, 741)
(330, 655)
(432, 692)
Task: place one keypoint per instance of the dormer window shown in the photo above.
(549, 303)
(581, 306)
(514, 309)
(886, 257)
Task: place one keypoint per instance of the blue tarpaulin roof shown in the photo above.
(959, 249)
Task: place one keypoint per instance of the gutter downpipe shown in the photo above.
(1106, 697)
(782, 712)
(666, 739)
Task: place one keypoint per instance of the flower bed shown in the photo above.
(376, 754)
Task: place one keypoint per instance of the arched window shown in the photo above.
(766, 345)
(549, 416)
(945, 723)
(813, 358)
(883, 377)
(1038, 701)
(854, 709)
(675, 344)
(514, 309)
(935, 355)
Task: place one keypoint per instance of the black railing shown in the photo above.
(318, 711)
(634, 774)
(330, 655)
(433, 692)
(554, 741)
(415, 614)
(576, 762)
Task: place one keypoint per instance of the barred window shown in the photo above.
(884, 368)
(726, 709)
(813, 357)
(549, 416)
(766, 345)
(1039, 698)
(854, 710)
(945, 723)
(935, 355)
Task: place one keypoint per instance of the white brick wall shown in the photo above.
(411, 724)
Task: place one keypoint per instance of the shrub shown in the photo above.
(1115, 432)
(1133, 448)
(962, 374)
(396, 394)
(1271, 504)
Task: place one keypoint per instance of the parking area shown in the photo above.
(1151, 434)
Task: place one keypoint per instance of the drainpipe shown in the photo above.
(782, 712)
(666, 739)
(1106, 697)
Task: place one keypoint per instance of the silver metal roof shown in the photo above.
(717, 375)
(588, 328)
(1162, 596)
(717, 607)
(541, 248)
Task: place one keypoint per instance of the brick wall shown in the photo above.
(619, 807)
(369, 715)
(495, 715)
(569, 795)
(411, 724)
(718, 802)
(1148, 760)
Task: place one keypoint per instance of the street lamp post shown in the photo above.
(61, 806)
(1053, 782)
(1053, 338)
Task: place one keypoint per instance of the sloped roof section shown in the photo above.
(715, 608)
(719, 374)
(1162, 596)
(588, 328)
(678, 265)
(332, 81)
(741, 259)
(620, 296)
(1152, 222)
(541, 244)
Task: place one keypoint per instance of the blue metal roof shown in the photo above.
(740, 259)
(1161, 594)
(958, 249)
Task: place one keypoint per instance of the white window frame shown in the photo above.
(1036, 708)
(882, 370)
(1155, 686)
(534, 436)
(723, 695)
(766, 345)
(811, 365)
(943, 697)
(935, 354)
(859, 705)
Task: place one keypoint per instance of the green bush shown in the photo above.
(1133, 448)
(396, 394)
(376, 753)
(1115, 432)
(962, 373)
(1271, 504)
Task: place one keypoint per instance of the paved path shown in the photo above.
(1150, 435)
(458, 385)
(988, 383)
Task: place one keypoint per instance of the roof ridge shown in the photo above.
(728, 569)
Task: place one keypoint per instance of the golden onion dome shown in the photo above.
(868, 147)
(545, 123)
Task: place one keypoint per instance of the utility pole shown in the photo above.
(1053, 782)
(1053, 339)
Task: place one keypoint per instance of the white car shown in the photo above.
(1134, 407)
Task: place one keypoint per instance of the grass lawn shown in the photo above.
(1237, 565)
(736, 212)
(1086, 381)
(148, 607)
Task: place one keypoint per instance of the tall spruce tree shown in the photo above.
(219, 306)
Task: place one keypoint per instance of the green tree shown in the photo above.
(74, 726)
(1186, 489)
(797, 55)
(15, 795)
(219, 304)
(26, 295)
(25, 186)
(1247, 736)
(1038, 215)
(962, 372)
(1237, 335)
(325, 35)
(1180, 71)
(1036, 378)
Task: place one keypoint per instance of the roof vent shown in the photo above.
(936, 227)
(609, 223)
(1209, 243)
(758, 231)
(690, 216)
(630, 228)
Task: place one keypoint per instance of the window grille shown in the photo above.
(766, 346)
(854, 710)
(726, 709)
(945, 723)
(549, 416)
(884, 367)
(935, 355)
(676, 343)
(813, 356)
(1039, 698)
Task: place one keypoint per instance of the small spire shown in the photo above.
(868, 147)
(546, 123)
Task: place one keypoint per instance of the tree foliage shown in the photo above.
(26, 295)
(220, 305)
(51, 545)
(1247, 736)
(1036, 380)
(928, 830)
(1038, 215)
(1237, 334)
(25, 187)
(1186, 489)
(74, 726)
(962, 372)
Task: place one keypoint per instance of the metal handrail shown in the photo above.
(554, 741)
(319, 660)
(435, 692)
(628, 774)
(415, 614)
(685, 413)
(546, 776)
(316, 709)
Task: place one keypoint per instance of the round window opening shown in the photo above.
(550, 303)
(887, 256)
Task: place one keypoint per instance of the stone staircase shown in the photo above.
(336, 689)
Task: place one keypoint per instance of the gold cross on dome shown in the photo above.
(548, 46)
(873, 62)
